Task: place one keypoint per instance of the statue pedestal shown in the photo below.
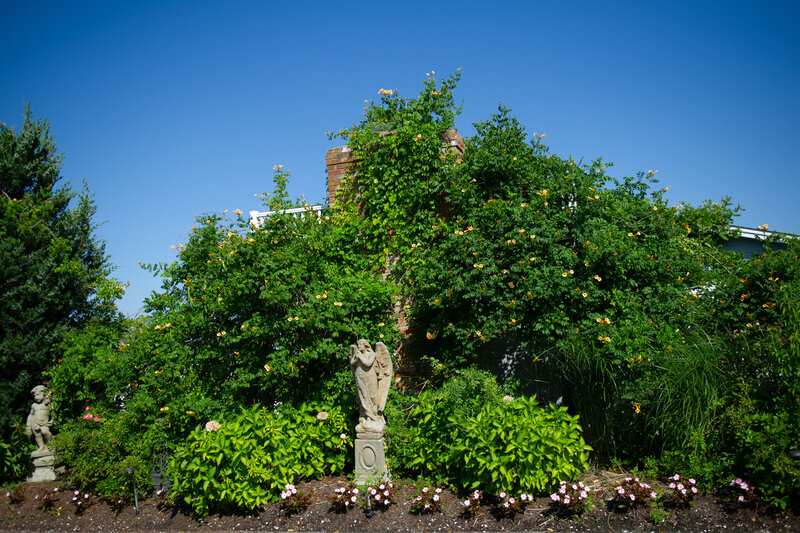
(370, 459)
(41, 468)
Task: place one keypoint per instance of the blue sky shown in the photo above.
(173, 109)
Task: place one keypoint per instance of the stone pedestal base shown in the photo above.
(370, 461)
(41, 469)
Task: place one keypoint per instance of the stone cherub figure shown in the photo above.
(373, 375)
(39, 421)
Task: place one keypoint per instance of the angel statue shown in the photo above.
(373, 373)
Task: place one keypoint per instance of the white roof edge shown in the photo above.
(753, 233)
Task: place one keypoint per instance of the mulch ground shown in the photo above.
(708, 513)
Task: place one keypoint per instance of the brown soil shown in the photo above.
(708, 513)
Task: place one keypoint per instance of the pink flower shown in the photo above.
(741, 498)
(86, 408)
(566, 500)
(87, 416)
(97, 419)
(555, 497)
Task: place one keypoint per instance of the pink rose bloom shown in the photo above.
(97, 419)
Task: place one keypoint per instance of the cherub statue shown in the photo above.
(39, 421)
(373, 375)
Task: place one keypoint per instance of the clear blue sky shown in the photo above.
(173, 109)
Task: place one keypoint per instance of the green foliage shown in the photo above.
(15, 456)
(762, 423)
(53, 269)
(248, 461)
(97, 453)
(485, 441)
(518, 445)
(421, 431)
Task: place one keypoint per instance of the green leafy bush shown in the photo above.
(15, 456)
(97, 453)
(247, 461)
(421, 431)
(473, 436)
(519, 446)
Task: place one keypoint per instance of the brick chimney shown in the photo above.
(339, 159)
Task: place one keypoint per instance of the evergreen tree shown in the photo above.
(53, 269)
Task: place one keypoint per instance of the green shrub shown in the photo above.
(97, 453)
(466, 431)
(518, 445)
(420, 430)
(246, 462)
(15, 455)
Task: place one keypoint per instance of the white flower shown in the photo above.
(322, 415)
(555, 497)
(466, 503)
(343, 436)
(212, 425)
(436, 497)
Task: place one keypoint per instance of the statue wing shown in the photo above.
(385, 372)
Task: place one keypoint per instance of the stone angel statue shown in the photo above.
(373, 374)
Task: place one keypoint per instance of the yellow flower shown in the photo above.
(221, 334)
(598, 278)
(190, 413)
(430, 335)
(637, 407)
(385, 92)
(584, 294)
(277, 167)
(267, 368)
(237, 211)
(337, 304)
